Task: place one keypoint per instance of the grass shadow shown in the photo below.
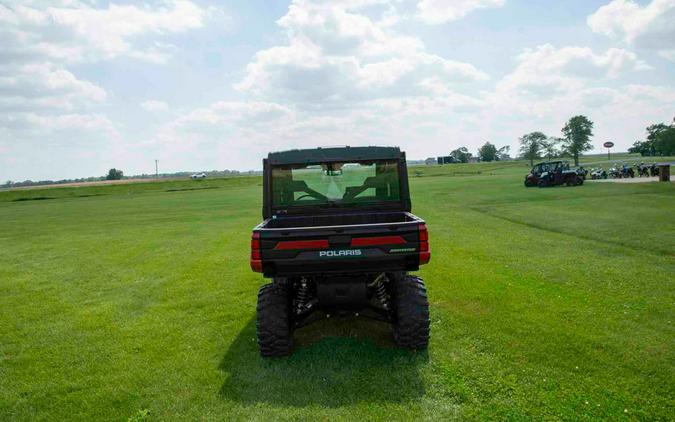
(335, 363)
(34, 198)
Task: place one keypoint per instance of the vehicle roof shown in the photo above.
(333, 154)
(552, 162)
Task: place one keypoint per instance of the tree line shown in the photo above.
(487, 152)
(575, 140)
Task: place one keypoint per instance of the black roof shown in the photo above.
(333, 154)
(552, 162)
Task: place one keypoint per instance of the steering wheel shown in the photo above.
(305, 196)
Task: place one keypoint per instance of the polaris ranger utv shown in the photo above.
(338, 238)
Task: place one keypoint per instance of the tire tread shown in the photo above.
(412, 326)
(273, 324)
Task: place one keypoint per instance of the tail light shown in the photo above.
(256, 259)
(302, 244)
(377, 241)
(425, 251)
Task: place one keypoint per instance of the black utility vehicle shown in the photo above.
(553, 173)
(338, 238)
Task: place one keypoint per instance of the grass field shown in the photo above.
(545, 303)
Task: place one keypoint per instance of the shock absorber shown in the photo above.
(380, 291)
(302, 296)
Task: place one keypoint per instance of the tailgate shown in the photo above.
(400, 246)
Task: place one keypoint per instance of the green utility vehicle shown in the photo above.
(338, 238)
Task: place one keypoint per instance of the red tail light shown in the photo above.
(425, 251)
(256, 261)
(302, 244)
(375, 241)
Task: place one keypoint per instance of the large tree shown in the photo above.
(577, 135)
(665, 141)
(461, 154)
(660, 140)
(530, 146)
(487, 152)
(114, 174)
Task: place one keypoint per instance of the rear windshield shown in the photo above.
(335, 183)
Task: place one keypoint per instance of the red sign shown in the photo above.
(608, 144)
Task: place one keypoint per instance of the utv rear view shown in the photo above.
(338, 238)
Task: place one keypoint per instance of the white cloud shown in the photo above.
(79, 32)
(155, 106)
(37, 86)
(646, 27)
(546, 73)
(442, 11)
(337, 57)
(668, 54)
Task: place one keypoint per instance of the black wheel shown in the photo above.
(542, 183)
(580, 181)
(275, 337)
(411, 328)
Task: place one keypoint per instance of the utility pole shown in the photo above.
(156, 170)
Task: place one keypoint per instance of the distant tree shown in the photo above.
(503, 153)
(549, 147)
(665, 142)
(488, 152)
(660, 141)
(577, 136)
(530, 146)
(114, 174)
(643, 148)
(654, 130)
(661, 137)
(461, 154)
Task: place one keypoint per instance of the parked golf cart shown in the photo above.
(553, 173)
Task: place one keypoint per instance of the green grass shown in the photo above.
(138, 303)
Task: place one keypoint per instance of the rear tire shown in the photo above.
(411, 329)
(273, 325)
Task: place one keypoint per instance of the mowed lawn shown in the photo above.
(551, 303)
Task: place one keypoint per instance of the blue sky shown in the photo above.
(86, 85)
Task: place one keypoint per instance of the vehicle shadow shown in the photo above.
(335, 362)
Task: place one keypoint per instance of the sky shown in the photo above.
(90, 85)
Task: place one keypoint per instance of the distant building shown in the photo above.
(429, 161)
(448, 159)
